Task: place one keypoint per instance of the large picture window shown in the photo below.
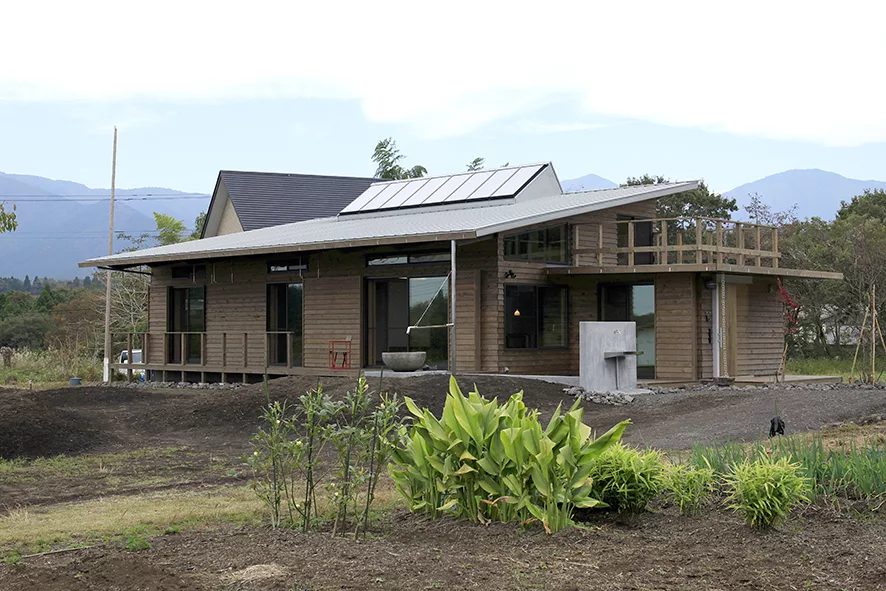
(535, 316)
(548, 245)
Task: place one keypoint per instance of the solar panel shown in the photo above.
(457, 188)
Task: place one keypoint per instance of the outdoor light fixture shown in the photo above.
(710, 284)
(517, 313)
(509, 274)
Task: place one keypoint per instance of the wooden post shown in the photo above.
(679, 246)
(600, 244)
(775, 247)
(224, 351)
(288, 349)
(719, 242)
(873, 333)
(758, 246)
(630, 244)
(129, 356)
(106, 370)
(664, 243)
(166, 337)
(183, 337)
(698, 238)
(740, 229)
(146, 351)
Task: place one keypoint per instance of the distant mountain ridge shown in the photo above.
(588, 182)
(54, 236)
(817, 193)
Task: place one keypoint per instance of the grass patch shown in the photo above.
(840, 365)
(124, 517)
(46, 367)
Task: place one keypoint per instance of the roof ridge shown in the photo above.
(299, 174)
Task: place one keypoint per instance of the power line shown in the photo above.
(36, 199)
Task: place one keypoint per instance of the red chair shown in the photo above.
(340, 353)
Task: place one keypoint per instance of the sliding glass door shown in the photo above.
(285, 324)
(633, 302)
(185, 323)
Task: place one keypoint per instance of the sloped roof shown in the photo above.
(265, 199)
(444, 222)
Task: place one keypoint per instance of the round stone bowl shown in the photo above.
(404, 361)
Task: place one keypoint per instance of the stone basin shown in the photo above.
(404, 360)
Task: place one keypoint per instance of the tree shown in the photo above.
(170, 230)
(870, 204)
(762, 213)
(476, 164)
(699, 202)
(8, 221)
(26, 286)
(199, 222)
(387, 158)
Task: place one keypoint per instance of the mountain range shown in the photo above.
(57, 228)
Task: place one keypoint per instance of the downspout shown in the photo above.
(452, 290)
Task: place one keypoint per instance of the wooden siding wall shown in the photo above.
(705, 343)
(759, 330)
(675, 327)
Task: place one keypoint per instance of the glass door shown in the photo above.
(633, 302)
(285, 324)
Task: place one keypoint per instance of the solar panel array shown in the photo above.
(457, 188)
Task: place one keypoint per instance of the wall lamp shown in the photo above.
(509, 274)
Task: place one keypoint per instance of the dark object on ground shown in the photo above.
(776, 427)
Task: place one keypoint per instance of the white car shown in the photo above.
(137, 363)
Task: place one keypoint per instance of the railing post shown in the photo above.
(775, 247)
(664, 243)
(146, 349)
(679, 246)
(740, 229)
(184, 345)
(129, 356)
(719, 242)
(698, 238)
(758, 245)
(600, 244)
(165, 348)
(288, 349)
(631, 244)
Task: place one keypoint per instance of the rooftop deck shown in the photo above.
(685, 244)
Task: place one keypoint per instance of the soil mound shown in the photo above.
(30, 428)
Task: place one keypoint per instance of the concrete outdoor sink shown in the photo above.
(404, 360)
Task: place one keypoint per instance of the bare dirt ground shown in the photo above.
(713, 551)
(181, 438)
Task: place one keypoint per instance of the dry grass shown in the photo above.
(105, 518)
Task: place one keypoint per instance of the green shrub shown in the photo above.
(486, 461)
(134, 542)
(690, 486)
(626, 479)
(765, 490)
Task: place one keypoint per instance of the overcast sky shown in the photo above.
(729, 93)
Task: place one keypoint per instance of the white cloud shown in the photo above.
(810, 71)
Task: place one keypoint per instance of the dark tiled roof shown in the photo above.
(263, 199)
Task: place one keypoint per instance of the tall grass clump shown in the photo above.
(488, 461)
(49, 366)
(689, 486)
(765, 490)
(626, 479)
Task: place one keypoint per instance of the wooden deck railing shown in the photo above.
(217, 349)
(674, 241)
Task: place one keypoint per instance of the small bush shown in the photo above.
(626, 479)
(134, 542)
(690, 486)
(14, 558)
(765, 490)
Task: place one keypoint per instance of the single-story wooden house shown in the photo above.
(487, 271)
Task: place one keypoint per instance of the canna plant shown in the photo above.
(486, 461)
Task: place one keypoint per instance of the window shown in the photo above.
(548, 245)
(626, 302)
(185, 321)
(535, 316)
(408, 259)
(285, 324)
(188, 271)
(296, 265)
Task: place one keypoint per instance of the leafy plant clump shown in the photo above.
(487, 461)
(689, 486)
(626, 479)
(765, 490)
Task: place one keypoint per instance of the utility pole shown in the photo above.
(106, 372)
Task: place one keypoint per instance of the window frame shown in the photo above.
(566, 249)
(409, 256)
(536, 289)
